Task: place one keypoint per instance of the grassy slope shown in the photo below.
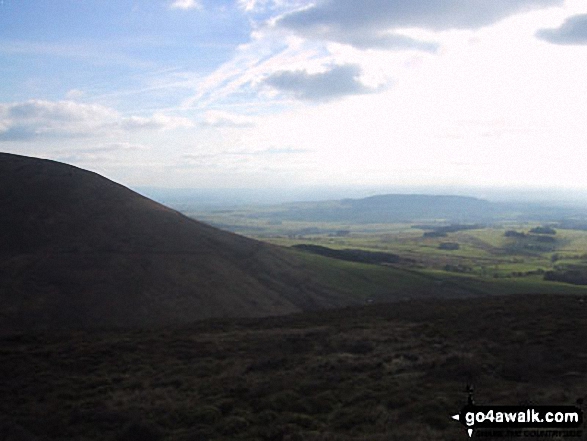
(387, 372)
(484, 254)
(360, 282)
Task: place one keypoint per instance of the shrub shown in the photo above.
(449, 246)
(512, 233)
(543, 230)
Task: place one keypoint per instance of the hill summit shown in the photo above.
(80, 251)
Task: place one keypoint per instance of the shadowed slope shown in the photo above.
(77, 250)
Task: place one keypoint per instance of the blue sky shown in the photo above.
(285, 93)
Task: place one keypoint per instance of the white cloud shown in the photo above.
(367, 24)
(243, 78)
(572, 31)
(486, 109)
(429, 14)
(46, 119)
(156, 122)
(476, 99)
(65, 119)
(301, 62)
(251, 5)
(334, 83)
(274, 5)
(185, 4)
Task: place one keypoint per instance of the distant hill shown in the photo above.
(416, 206)
(391, 208)
(80, 251)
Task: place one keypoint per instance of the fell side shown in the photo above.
(80, 251)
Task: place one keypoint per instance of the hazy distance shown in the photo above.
(204, 198)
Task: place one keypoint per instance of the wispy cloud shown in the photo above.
(101, 153)
(292, 55)
(216, 118)
(157, 121)
(283, 151)
(572, 31)
(237, 159)
(74, 94)
(242, 76)
(96, 54)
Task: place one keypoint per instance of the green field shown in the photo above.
(484, 260)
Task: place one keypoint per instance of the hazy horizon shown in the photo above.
(268, 196)
(292, 93)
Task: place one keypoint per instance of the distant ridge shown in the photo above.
(80, 251)
(420, 206)
(392, 208)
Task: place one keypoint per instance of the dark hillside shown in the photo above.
(77, 250)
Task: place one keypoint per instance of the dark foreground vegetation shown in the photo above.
(393, 372)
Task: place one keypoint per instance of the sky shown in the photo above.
(291, 93)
